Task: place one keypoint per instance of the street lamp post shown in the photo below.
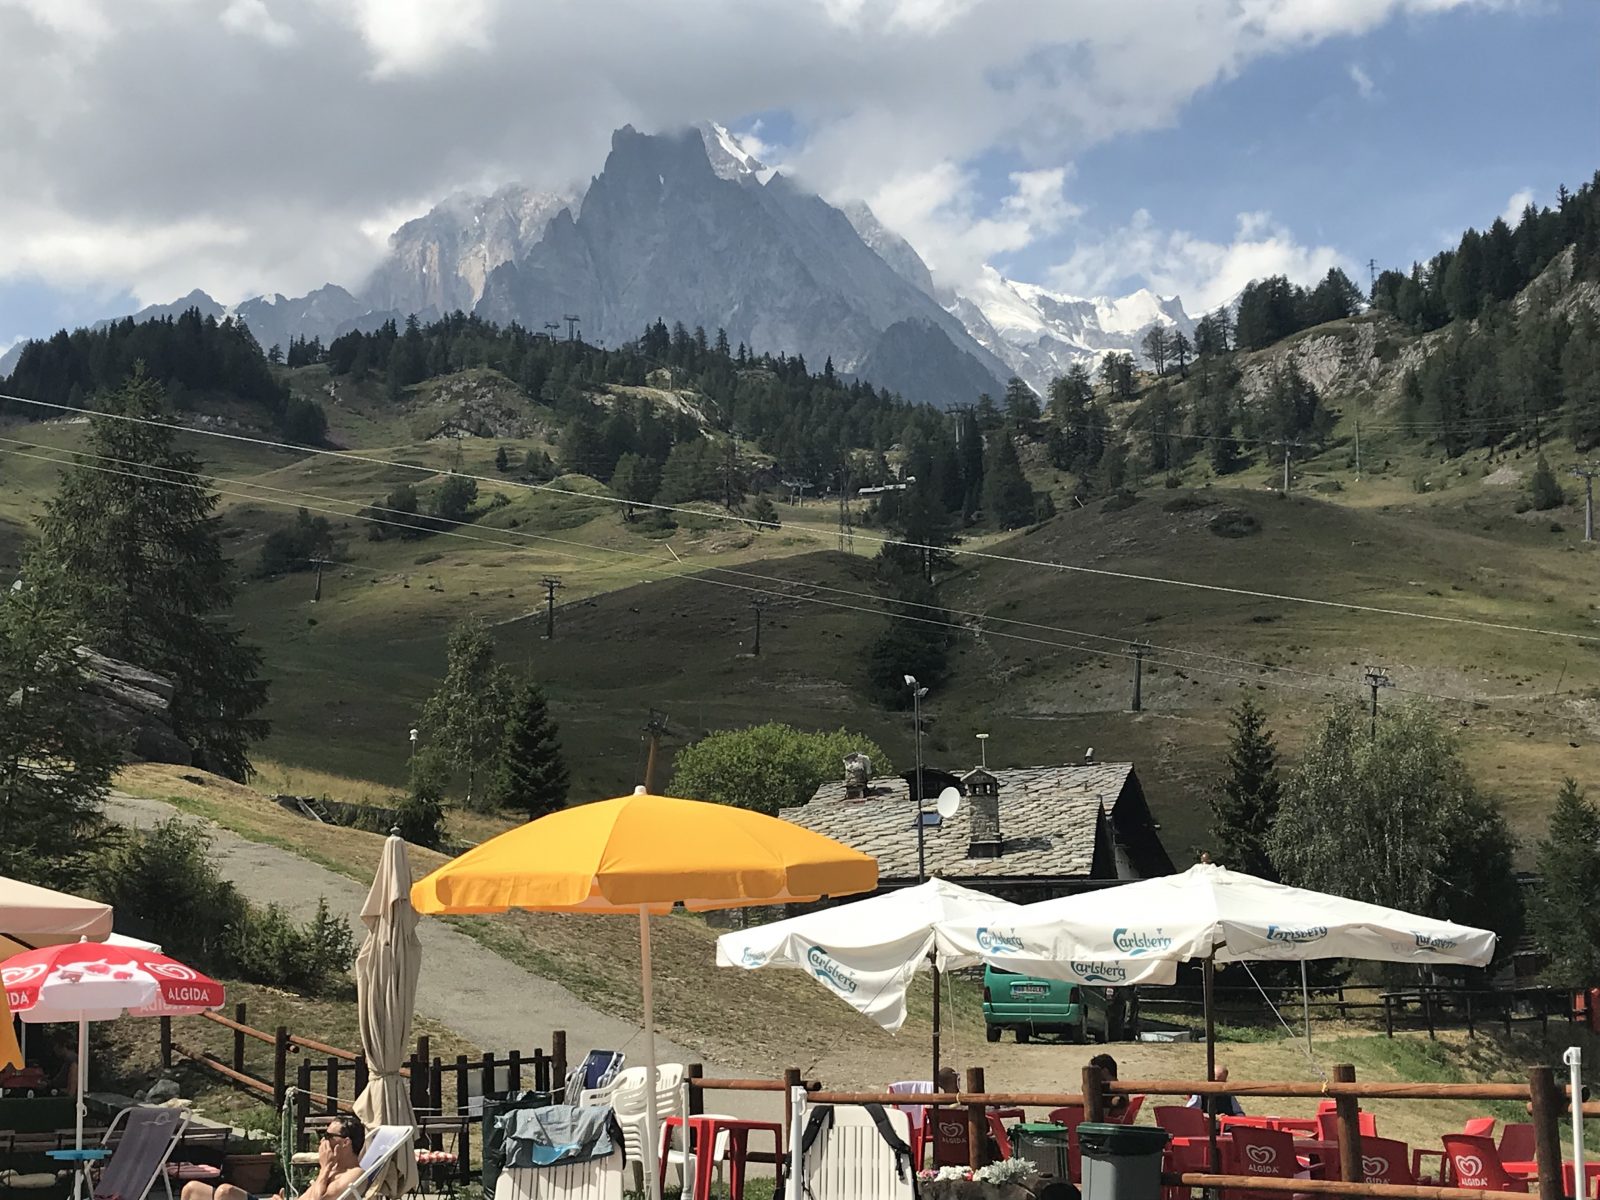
(917, 693)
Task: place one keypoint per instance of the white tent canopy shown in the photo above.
(1207, 911)
(865, 952)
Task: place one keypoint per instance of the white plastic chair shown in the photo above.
(605, 1096)
(596, 1179)
(628, 1102)
(853, 1162)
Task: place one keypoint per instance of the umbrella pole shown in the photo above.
(1305, 1004)
(83, 1087)
(936, 1018)
(1208, 988)
(652, 1147)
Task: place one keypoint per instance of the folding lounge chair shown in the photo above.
(853, 1162)
(385, 1145)
(598, 1068)
(148, 1136)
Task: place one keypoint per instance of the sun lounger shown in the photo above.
(385, 1145)
(145, 1138)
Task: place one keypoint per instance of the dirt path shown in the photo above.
(463, 985)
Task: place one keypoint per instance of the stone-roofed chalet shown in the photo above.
(1025, 833)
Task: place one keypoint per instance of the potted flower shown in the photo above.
(1010, 1179)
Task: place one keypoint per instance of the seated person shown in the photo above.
(338, 1167)
(949, 1081)
(1222, 1105)
(1116, 1104)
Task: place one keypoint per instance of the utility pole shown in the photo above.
(1140, 649)
(917, 693)
(1587, 474)
(552, 328)
(1377, 677)
(550, 583)
(653, 729)
(758, 603)
(316, 590)
(1358, 448)
(1372, 277)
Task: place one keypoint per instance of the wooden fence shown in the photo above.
(330, 1078)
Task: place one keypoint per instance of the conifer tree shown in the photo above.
(1245, 804)
(55, 764)
(464, 719)
(1563, 915)
(1022, 406)
(1544, 489)
(531, 775)
(1007, 498)
(141, 566)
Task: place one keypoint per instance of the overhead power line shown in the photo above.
(982, 555)
(1127, 649)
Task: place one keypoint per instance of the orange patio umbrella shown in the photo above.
(644, 854)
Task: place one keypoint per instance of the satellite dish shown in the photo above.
(949, 801)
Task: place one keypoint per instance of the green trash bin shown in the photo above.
(1121, 1162)
(1047, 1146)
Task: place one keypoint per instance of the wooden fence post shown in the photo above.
(280, 1065)
(238, 1037)
(1547, 1106)
(302, 1102)
(791, 1079)
(514, 1070)
(1094, 1094)
(1388, 1013)
(1349, 1110)
(436, 1086)
(166, 1041)
(488, 1073)
(696, 1098)
(977, 1121)
(558, 1059)
(461, 1084)
(333, 1086)
(1427, 1009)
(361, 1074)
(1471, 1029)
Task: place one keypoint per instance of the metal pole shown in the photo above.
(651, 1145)
(1358, 448)
(1305, 998)
(1208, 989)
(922, 851)
(83, 1087)
(1574, 1060)
(936, 1019)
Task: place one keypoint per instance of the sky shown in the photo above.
(149, 147)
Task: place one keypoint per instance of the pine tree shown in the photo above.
(141, 566)
(1245, 804)
(1563, 916)
(1022, 406)
(1544, 489)
(55, 764)
(530, 775)
(1007, 498)
(1157, 346)
(502, 460)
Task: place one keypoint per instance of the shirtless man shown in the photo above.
(338, 1166)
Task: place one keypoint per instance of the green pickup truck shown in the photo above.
(1028, 1006)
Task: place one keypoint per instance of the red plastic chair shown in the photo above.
(1267, 1153)
(1002, 1139)
(1475, 1164)
(1127, 1115)
(1384, 1160)
(1474, 1127)
(1479, 1127)
(1188, 1144)
(1516, 1142)
(1328, 1125)
(1226, 1123)
(1070, 1117)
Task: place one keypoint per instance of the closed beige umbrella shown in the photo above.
(386, 993)
(32, 916)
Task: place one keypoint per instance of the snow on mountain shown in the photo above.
(1039, 333)
(729, 158)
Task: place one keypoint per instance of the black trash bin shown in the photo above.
(494, 1134)
(1121, 1162)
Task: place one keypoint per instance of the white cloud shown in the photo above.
(1515, 205)
(129, 125)
(253, 19)
(1204, 273)
(1365, 88)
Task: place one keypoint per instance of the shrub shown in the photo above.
(1543, 487)
(271, 947)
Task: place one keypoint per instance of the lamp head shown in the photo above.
(911, 681)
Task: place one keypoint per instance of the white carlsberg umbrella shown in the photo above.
(865, 952)
(1206, 912)
(386, 992)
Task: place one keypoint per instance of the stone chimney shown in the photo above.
(857, 775)
(983, 794)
